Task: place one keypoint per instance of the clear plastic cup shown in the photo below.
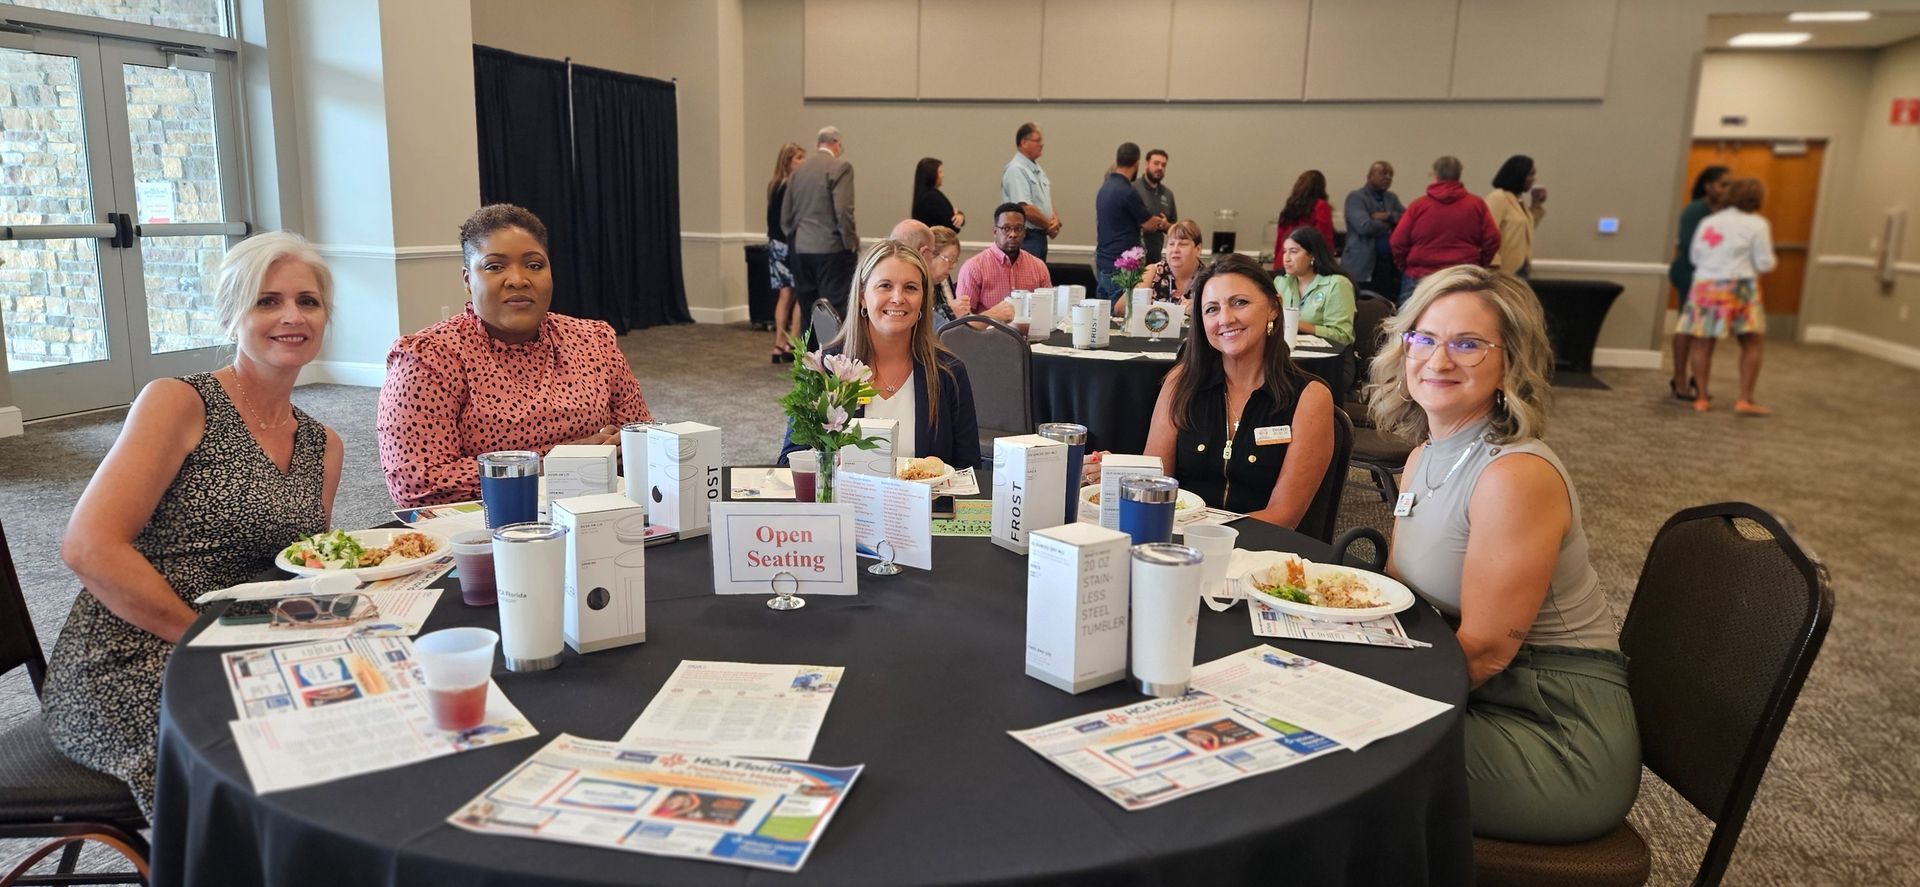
(457, 663)
(1215, 544)
(473, 560)
(806, 468)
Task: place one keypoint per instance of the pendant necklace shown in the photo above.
(1404, 505)
(247, 400)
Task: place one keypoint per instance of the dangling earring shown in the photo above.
(1269, 327)
(1500, 399)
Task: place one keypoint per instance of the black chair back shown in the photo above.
(19, 645)
(1000, 364)
(1324, 512)
(826, 323)
(1370, 310)
(1729, 614)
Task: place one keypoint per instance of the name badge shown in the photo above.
(1273, 434)
(1403, 506)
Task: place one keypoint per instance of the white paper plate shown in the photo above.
(387, 569)
(1186, 506)
(900, 464)
(1397, 597)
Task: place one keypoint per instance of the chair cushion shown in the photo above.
(38, 783)
(1619, 859)
(1369, 445)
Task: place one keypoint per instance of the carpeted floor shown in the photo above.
(1838, 806)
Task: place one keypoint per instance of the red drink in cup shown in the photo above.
(457, 665)
(473, 560)
(1022, 327)
(805, 465)
(461, 709)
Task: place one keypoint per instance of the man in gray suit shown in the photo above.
(1372, 211)
(817, 217)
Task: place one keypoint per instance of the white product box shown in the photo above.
(1114, 467)
(1041, 315)
(1163, 320)
(580, 470)
(1029, 486)
(1077, 581)
(606, 585)
(1137, 320)
(1103, 323)
(877, 461)
(683, 476)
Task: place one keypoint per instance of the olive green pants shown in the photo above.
(1553, 756)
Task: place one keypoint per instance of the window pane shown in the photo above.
(198, 16)
(176, 164)
(50, 298)
(50, 303)
(181, 272)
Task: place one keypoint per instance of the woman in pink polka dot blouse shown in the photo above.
(505, 375)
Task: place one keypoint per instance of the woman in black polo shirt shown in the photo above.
(1238, 423)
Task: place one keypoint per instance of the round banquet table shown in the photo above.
(1114, 398)
(934, 679)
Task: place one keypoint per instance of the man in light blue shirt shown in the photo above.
(1025, 183)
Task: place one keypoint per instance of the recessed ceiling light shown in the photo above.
(1769, 38)
(1829, 16)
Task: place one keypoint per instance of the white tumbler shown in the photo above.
(633, 460)
(1292, 319)
(529, 574)
(1165, 617)
(1102, 320)
(1142, 299)
(1084, 317)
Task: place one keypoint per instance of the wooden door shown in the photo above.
(1791, 172)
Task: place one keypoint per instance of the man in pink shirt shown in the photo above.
(987, 279)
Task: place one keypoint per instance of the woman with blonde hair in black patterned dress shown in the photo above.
(212, 475)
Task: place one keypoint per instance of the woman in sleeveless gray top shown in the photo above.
(1487, 529)
(212, 475)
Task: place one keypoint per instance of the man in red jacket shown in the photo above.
(1447, 227)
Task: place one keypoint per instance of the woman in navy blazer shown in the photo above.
(889, 327)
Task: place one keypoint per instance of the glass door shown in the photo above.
(118, 198)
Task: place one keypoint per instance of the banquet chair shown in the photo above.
(1725, 623)
(1383, 457)
(43, 794)
(1324, 512)
(1370, 310)
(1000, 364)
(826, 323)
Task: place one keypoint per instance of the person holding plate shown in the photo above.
(211, 476)
(920, 384)
(1553, 755)
(1237, 423)
(506, 374)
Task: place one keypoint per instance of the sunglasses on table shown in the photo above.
(323, 611)
(1466, 351)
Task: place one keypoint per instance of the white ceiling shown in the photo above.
(1885, 28)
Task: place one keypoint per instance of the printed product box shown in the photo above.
(1114, 467)
(877, 461)
(580, 470)
(1029, 488)
(683, 476)
(1103, 325)
(606, 585)
(1077, 583)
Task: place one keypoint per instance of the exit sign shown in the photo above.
(1906, 112)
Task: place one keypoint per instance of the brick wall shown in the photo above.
(199, 16)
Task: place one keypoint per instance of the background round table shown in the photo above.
(1114, 398)
(934, 679)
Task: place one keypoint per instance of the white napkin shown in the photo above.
(333, 583)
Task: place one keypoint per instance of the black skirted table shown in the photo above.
(1114, 398)
(933, 682)
(1575, 310)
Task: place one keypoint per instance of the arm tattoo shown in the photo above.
(1517, 634)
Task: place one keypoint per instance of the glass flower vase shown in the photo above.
(823, 483)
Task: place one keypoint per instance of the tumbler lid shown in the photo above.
(509, 463)
(640, 427)
(530, 531)
(1149, 488)
(1166, 554)
(1064, 432)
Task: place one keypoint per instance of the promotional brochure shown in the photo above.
(742, 709)
(1345, 707)
(272, 680)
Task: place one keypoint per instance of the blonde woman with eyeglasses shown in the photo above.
(1552, 752)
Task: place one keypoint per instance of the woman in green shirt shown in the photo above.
(1709, 193)
(1314, 283)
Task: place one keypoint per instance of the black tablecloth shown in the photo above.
(1575, 310)
(1114, 398)
(933, 680)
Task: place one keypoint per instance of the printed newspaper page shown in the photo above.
(1345, 707)
(271, 680)
(1152, 752)
(1272, 622)
(744, 709)
(764, 814)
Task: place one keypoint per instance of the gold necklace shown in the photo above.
(247, 401)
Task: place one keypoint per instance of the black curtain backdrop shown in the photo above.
(627, 162)
(601, 170)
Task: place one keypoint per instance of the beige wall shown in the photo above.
(1621, 157)
(612, 34)
(1888, 165)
